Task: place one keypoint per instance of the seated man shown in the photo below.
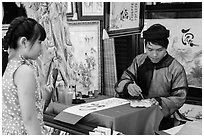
(156, 74)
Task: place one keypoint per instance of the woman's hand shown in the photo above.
(134, 89)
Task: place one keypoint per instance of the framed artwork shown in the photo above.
(185, 44)
(86, 62)
(70, 11)
(124, 18)
(90, 10)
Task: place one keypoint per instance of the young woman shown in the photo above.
(22, 103)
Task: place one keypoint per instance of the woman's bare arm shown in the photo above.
(26, 85)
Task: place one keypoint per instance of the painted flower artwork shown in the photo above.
(83, 72)
(84, 37)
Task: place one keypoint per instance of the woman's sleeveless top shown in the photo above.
(12, 122)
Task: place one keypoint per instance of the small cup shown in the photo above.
(68, 98)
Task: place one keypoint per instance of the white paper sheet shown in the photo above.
(85, 109)
(174, 130)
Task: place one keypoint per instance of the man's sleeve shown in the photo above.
(128, 76)
(178, 93)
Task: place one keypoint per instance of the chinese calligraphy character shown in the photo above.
(124, 14)
(187, 37)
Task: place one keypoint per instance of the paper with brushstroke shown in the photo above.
(73, 114)
(85, 109)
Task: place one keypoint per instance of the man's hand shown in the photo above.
(134, 89)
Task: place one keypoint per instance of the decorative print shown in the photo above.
(85, 39)
(124, 15)
(124, 18)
